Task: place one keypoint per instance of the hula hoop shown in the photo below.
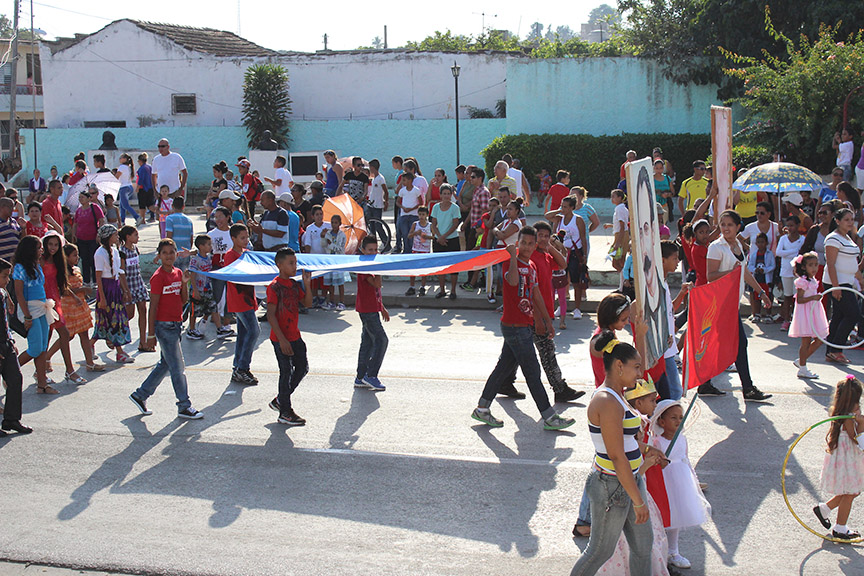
(783, 483)
(846, 347)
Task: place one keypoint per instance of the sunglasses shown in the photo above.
(162, 146)
(760, 213)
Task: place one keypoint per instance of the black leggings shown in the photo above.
(742, 363)
(844, 317)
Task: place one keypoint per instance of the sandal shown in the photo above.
(75, 378)
(95, 367)
(146, 349)
(836, 357)
(123, 358)
(47, 389)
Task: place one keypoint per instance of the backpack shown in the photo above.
(258, 187)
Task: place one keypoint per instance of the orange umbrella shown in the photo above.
(353, 220)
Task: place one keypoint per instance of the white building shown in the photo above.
(136, 74)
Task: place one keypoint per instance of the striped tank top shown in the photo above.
(631, 424)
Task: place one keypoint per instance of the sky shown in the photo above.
(300, 25)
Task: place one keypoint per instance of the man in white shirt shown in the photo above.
(523, 188)
(169, 169)
(282, 181)
(845, 148)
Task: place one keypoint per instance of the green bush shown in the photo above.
(594, 161)
(749, 156)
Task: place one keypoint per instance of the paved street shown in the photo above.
(402, 482)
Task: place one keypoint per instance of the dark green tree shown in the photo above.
(266, 103)
(6, 30)
(604, 14)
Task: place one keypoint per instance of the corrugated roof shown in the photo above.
(204, 40)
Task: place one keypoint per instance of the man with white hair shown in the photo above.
(169, 169)
(501, 179)
(631, 156)
(523, 188)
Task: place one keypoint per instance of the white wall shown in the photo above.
(91, 82)
(94, 81)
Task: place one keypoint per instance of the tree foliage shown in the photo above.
(266, 103)
(6, 30)
(604, 14)
(686, 35)
(575, 47)
(795, 103)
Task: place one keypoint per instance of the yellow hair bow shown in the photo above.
(610, 346)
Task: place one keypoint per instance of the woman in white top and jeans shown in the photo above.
(124, 174)
(724, 254)
(841, 269)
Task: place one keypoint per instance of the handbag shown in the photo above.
(559, 279)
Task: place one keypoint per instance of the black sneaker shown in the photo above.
(274, 404)
(250, 376)
(190, 414)
(242, 378)
(140, 404)
(756, 395)
(290, 418)
(568, 394)
(410, 291)
(709, 389)
(511, 392)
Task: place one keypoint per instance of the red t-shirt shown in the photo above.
(368, 297)
(51, 207)
(545, 264)
(699, 262)
(74, 178)
(557, 193)
(238, 297)
(485, 236)
(286, 295)
(248, 187)
(518, 303)
(167, 285)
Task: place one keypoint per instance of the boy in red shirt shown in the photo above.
(560, 190)
(373, 342)
(168, 294)
(284, 297)
(522, 298)
(240, 300)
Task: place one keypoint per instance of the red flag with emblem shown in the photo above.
(711, 343)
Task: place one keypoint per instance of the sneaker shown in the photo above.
(709, 389)
(250, 376)
(410, 291)
(329, 306)
(274, 404)
(240, 377)
(785, 326)
(557, 422)
(732, 368)
(467, 286)
(491, 298)
(678, 561)
(756, 395)
(804, 372)
(140, 404)
(290, 418)
(194, 335)
(568, 394)
(484, 415)
(755, 318)
(340, 306)
(577, 314)
(317, 302)
(374, 384)
(224, 332)
(452, 295)
(359, 383)
(441, 294)
(190, 414)
(422, 291)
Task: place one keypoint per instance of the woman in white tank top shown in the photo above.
(508, 231)
(573, 227)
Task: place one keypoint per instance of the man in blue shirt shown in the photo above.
(180, 228)
(274, 225)
(286, 201)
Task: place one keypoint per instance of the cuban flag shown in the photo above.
(259, 268)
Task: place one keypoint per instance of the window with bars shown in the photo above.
(183, 104)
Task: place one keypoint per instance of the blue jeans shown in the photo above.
(218, 290)
(124, 194)
(673, 378)
(584, 517)
(373, 345)
(518, 350)
(405, 223)
(170, 361)
(247, 337)
(613, 513)
(292, 369)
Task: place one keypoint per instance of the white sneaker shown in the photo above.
(577, 314)
(732, 368)
(678, 561)
(804, 372)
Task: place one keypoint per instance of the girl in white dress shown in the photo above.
(687, 505)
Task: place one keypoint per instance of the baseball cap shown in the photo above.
(245, 163)
(286, 197)
(228, 194)
(793, 198)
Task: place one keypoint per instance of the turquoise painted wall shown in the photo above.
(602, 96)
(432, 142)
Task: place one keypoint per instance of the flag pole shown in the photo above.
(681, 426)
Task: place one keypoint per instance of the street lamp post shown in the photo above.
(455, 70)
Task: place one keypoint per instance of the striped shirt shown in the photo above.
(631, 424)
(10, 233)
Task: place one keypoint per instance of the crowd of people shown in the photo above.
(79, 273)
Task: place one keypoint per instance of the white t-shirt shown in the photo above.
(751, 231)
(411, 199)
(286, 178)
(167, 170)
(421, 183)
(787, 250)
(221, 240)
(622, 214)
(104, 265)
(516, 174)
(846, 263)
(845, 152)
(377, 193)
(125, 173)
(312, 237)
(719, 250)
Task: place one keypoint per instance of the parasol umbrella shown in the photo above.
(105, 182)
(778, 178)
(353, 221)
